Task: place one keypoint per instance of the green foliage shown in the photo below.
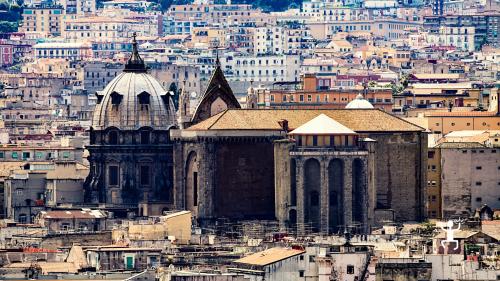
(401, 85)
(165, 4)
(6, 26)
(266, 5)
(4, 5)
(271, 5)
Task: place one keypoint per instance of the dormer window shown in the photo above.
(116, 98)
(165, 98)
(143, 98)
(99, 97)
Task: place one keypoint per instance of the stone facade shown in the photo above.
(217, 97)
(470, 178)
(242, 162)
(215, 177)
(130, 149)
(343, 179)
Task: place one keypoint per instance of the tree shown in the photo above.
(4, 5)
(6, 27)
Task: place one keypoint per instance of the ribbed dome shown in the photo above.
(132, 100)
(359, 102)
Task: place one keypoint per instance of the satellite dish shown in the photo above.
(193, 94)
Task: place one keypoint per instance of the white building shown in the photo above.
(278, 40)
(272, 68)
(460, 37)
(70, 51)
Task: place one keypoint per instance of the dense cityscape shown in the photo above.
(280, 140)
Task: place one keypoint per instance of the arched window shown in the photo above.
(144, 99)
(113, 137)
(314, 195)
(145, 137)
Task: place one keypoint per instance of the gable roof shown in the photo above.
(217, 87)
(322, 125)
(358, 120)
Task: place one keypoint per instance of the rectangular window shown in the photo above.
(315, 140)
(478, 183)
(350, 269)
(479, 167)
(144, 175)
(430, 154)
(2, 154)
(38, 155)
(113, 175)
(66, 154)
(14, 155)
(301, 97)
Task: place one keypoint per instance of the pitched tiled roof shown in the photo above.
(322, 125)
(359, 120)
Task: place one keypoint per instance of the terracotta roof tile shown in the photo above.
(269, 256)
(359, 120)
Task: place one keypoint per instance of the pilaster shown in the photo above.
(347, 191)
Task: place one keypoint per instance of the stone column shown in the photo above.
(324, 191)
(179, 176)
(207, 172)
(300, 194)
(365, 195)
(347, 191)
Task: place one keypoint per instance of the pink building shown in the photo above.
(6, 54)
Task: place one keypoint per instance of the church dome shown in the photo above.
(359, 102)
(134, 99)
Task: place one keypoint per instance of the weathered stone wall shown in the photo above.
(245, 180)
(403, 271)
(282, 180)
(54, 241)
(469, 179)
(400, 162)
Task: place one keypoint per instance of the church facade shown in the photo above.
(130, 151)
(249, 164)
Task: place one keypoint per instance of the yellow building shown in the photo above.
(208, 35)
(443, 121)
(43, 19)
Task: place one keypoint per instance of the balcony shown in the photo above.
(329, 151)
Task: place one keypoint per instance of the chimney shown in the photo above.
(284, 125)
